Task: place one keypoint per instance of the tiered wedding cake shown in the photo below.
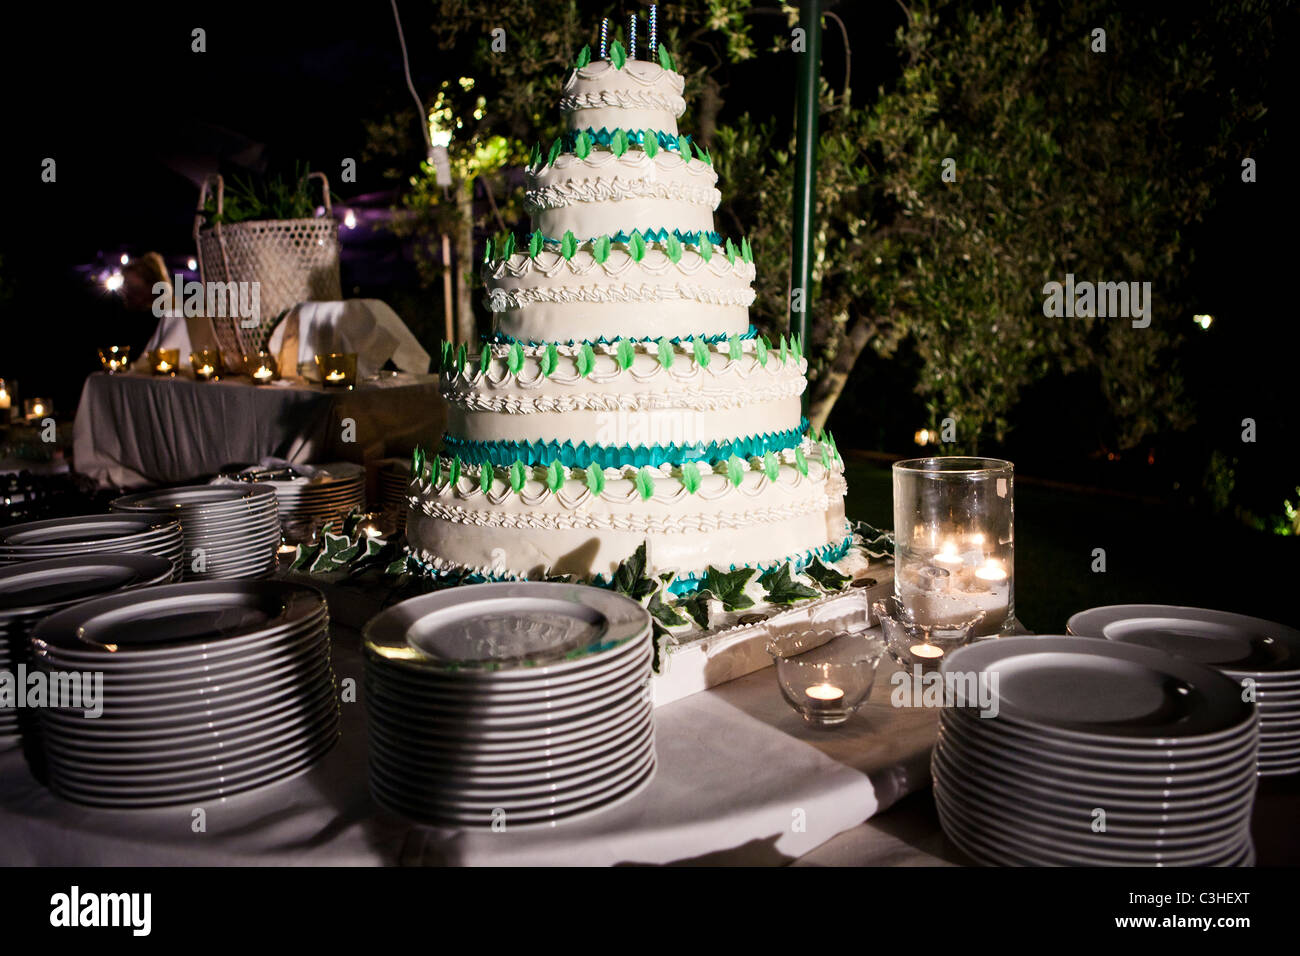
(624, 397)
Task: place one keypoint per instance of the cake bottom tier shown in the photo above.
(791, 513)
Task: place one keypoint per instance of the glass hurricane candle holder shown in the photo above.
(206, 364)
(165, 361)
(825, 678)
(910, 643)
(954, 547)
(115, 358)
(338, 369)
(262, 367)
(34, 409)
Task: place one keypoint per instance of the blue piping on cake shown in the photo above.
(501, 338)
(506, 453)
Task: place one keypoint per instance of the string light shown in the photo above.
(604, 37)
(654, 41)
(631, 36)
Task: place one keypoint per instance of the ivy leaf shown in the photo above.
(337, 551)
(701, 350)
(736, 470)
(781, 588)
(303, 557)
(568, 244)
(734, 349)
(555, 476)
(584, 57)
(771, 467)
(595, 478)
(515, 360)
(729, 586)
(453, 472)
(630, 577)
(485, 478)
(651, 143)
(697, 603)
(674, 248)
(731, 252)
(586, 360)
(645, 483)
(663, 612)
(397, 567)
(618, 143)
(536, 243)
(626, 354)
(550, 359)
(617, 55)
(826, 578)
(666, 59)
(665, 352)
(485, 360)
(706, 247)
(691, 477)
(600, 249)
(555, 152)
(636, 246)
(760, 349)
(800, 461)
(518, 476)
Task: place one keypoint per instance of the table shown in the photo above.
(133, 430)
(741, 780)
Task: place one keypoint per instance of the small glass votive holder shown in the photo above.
(337, 369)
(165, 362)
(911, 643)
(954, 541)
(6, 401)
(825, 678)
(206, 364)
(262, 367)
(115, 358)
(34, 409)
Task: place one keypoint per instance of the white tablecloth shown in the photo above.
(367, 327)
(741, 780)
(134, 430)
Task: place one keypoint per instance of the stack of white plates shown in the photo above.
(1100, 754)
(330, 495)
(33, 589)
(230, 531)
(1262, 656)
(515, 704)
(393, 478)
(209, 689)
(94, 534)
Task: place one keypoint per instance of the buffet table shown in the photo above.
(741, 780)
(134, 430)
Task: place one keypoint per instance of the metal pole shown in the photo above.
(805, 170)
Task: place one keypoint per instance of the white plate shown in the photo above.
(197, 498)
(35, 587)
(509, 627)
(1104, 691)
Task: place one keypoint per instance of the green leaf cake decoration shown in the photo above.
(665, 349)
(508, 247)
(516, 359)
(780, 586)
(645, 483)
(701, 349)
(625, 355)
(731, 252)
(824, 577)
(417, 463)
(746, 251)
(555, 476)
(453, 472)
(684, 145)
(535, 243)
(663, 612)
(582, 145)
(586, 360)
(518, 475)
(618, 145)
(673, 247)
(734, 350)
(435, 470)
(691, 477)
(697, 604)
(651, 144)
(800, 461)
(485, 360)
(617, 55)
(462, 356)
(485, 478)
(706, 248)
(600, 249)
(636, 246)
(735, 470)
(595, 478)
(569, 244)
(556, 147)
(584, 57)
(550, 359)
(729, 586)
(666, 59)
(760, 350)
(771, 467)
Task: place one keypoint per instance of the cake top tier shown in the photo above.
(637, 95)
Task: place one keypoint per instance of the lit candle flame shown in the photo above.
(824, 691)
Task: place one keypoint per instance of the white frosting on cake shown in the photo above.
(532, 521)
(574, 531)
(642, 95)
(549, 298)
(604, 194)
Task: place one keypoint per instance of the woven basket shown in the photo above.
(294, 260)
